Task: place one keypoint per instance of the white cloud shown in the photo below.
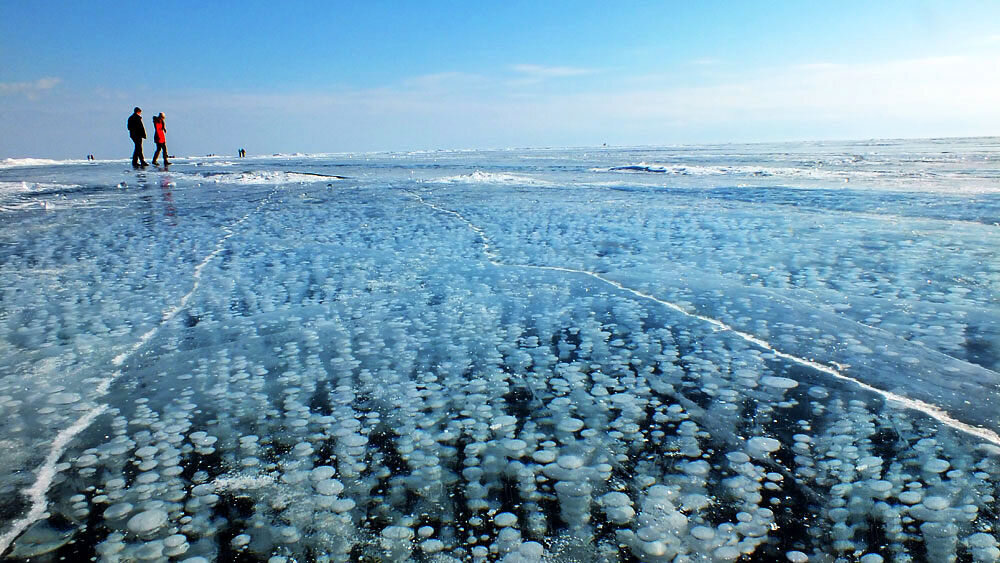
(445, 81)
(539, 71)
(705, 61)
(29, 89)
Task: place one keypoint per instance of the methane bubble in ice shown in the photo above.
(147, 521)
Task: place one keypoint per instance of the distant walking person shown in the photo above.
(160, 138)
(137, 132)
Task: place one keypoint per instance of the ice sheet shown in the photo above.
(393, 355)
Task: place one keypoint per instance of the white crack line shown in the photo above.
(933, 411)
(47, 471)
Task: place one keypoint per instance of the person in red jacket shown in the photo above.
(160, 138)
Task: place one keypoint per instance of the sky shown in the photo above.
(317, 77)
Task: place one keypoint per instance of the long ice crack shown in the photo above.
(933, 411)
(48, 470)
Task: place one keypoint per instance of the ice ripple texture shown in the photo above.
(510, 355)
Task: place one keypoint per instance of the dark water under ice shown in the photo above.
(765, 352)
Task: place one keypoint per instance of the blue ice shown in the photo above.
(786, 352)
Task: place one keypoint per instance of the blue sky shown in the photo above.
(359, 76)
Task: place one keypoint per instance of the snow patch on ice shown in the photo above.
(263, 177)
(33, 187)
(907, 180)
(743, 171)
(481, 177)
(15, 162)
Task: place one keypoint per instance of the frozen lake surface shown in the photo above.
(736, 352)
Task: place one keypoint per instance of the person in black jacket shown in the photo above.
(137, 132)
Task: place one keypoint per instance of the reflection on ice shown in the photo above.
(495, 356)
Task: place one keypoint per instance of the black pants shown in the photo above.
(137, 157)
(160, 147)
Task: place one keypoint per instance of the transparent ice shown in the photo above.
(774, 352)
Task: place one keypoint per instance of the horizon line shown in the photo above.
(13, 161)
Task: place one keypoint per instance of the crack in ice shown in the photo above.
(933, 411)
(48, 470)
(773, 295)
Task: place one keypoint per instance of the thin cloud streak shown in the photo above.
(705, 61)
(29, 89)
(539, 71)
